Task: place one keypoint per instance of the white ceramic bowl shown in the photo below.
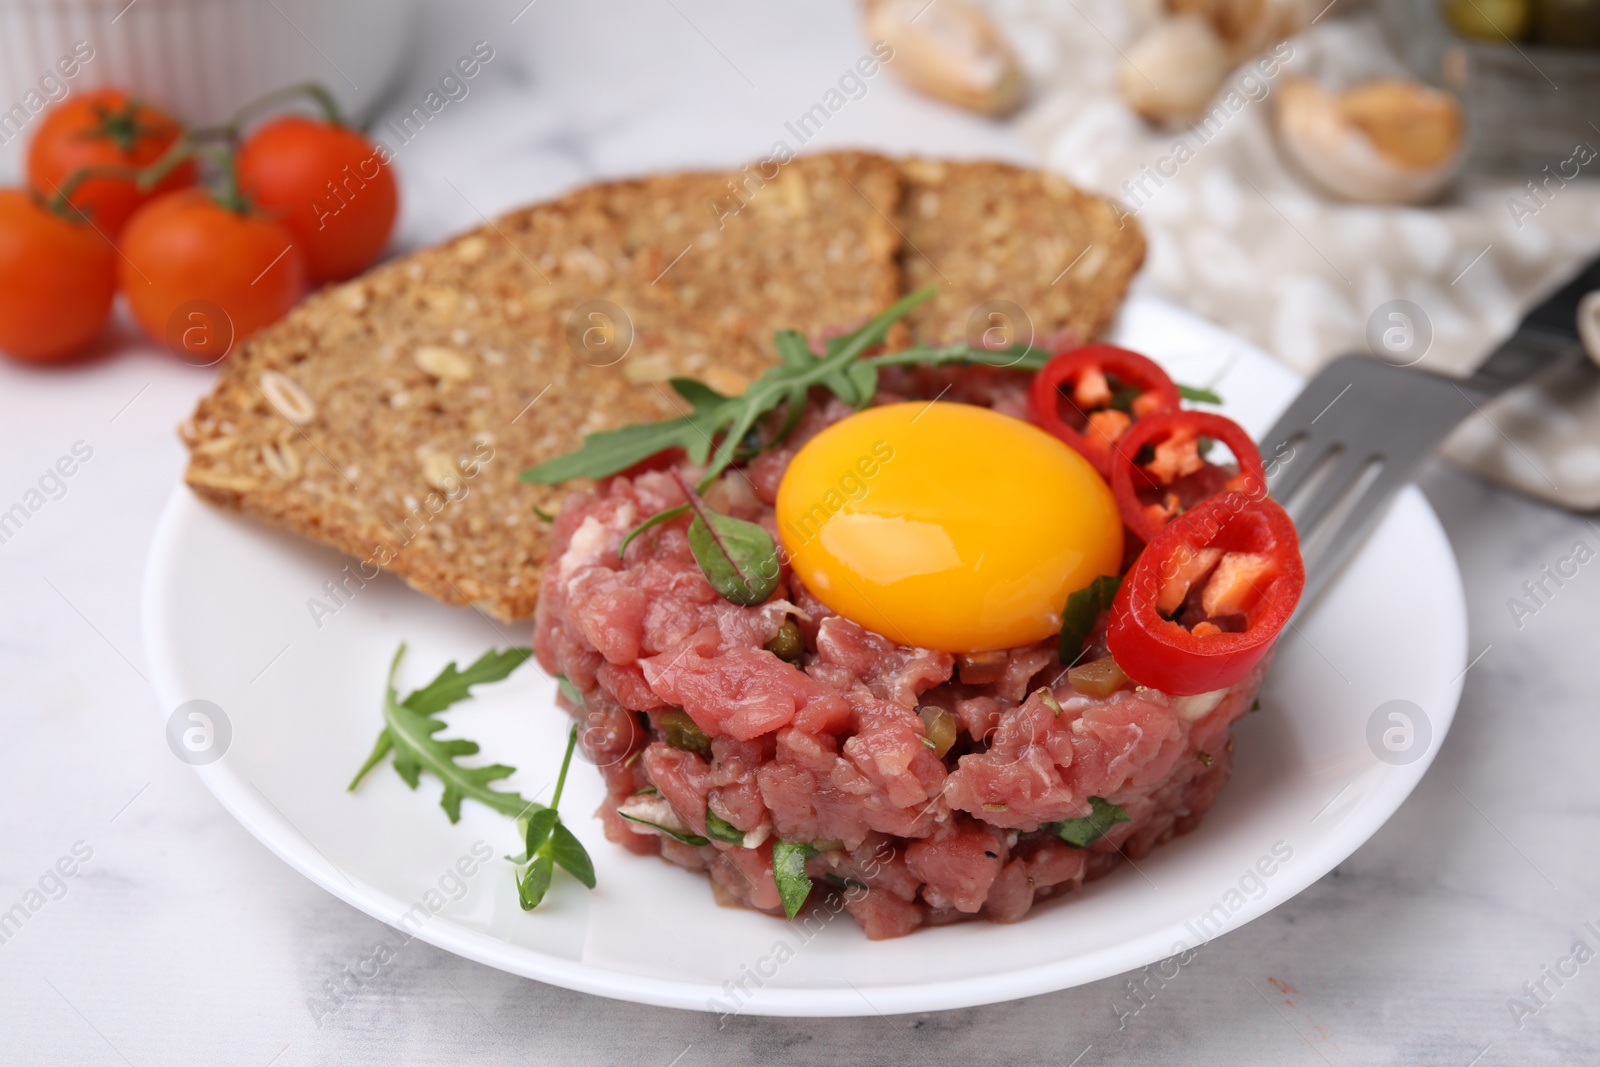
(202, 58)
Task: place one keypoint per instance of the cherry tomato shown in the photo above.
(329, 185)
(105, 127)
(191, 264)
(1090, 395)
(57, 280)
(1208, 597)
(1152, 490)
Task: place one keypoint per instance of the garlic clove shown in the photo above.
(1248, 26)
(1385, 142)
(1171, 72)
(1409, 124)
(951, 50)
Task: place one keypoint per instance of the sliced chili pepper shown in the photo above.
(1089, 396)
(1153, 490)
(1208, 596)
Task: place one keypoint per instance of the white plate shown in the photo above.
(226, 620)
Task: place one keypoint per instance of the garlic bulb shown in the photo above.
(1172, 72)
(949, 49)
(1389, 141)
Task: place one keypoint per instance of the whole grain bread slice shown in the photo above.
(390, 416)
(998, 239)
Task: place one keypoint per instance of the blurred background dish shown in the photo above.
(201, 58)
(1527, 71)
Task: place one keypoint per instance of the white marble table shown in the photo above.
(180, 940)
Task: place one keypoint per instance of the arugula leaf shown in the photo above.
(1081, 833)
(689, 839)
(1017, 357)
(409, 727)
(452, 685)
(548, 844)
(841, 368)
(793, 349)
(722, 829)
(732, 418)
(739, 558)
(1198, 395)
(789, 871)
(1082, 610)
(616, 450)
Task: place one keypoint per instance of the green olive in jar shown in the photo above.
(1488, 20)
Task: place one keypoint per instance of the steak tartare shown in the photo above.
(924, 787)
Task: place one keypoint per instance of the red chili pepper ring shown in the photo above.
(1208, 596)
(1090, 395)
(1177, 470)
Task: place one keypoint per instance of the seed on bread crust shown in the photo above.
(445, 364)
(281, 459)
(287, 398)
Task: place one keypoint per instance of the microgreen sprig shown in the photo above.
(738, 558)
(548, 844)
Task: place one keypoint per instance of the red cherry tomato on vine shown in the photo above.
(1208, 596)
(330, 185)
(57, 279)
(195, 270)
(1090, 395)
(105, 127)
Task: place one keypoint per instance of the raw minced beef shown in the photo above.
(833, 750)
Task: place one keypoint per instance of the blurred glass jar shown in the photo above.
(1567, 23)
(201, 58)
(1527, 105)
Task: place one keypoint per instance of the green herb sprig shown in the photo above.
(548, 844)
(1082, 610)
(789, 871)
(738, 558)
(409, 727)
(722, 829)
(1081, 833)
(785, 385)
(1197, 395)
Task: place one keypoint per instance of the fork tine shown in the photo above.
(1346, 473)
(1306, 458)
(1337, 548)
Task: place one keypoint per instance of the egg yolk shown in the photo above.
(946, 526)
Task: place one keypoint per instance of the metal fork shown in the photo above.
(1363, 426)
